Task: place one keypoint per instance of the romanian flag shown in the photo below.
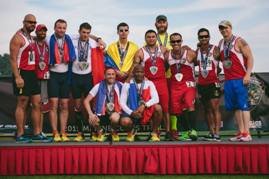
(98, 66)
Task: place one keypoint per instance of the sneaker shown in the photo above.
(65, 138)
(130, 137)
(193, 135)
(23, 139)
(154, 138)
(57, 138)
(79, 138)
(41, 138)
(184, 136)
(246, 138)
(100, 137)
(94, 137)
(115, 137)
(174, 134)
(217, 138)
(209, 137)
(237, 137)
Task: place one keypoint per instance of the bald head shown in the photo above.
(138, 73)
(29, 23)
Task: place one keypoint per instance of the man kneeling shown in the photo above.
(107, 106)
(139, 101)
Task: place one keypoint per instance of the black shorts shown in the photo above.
(104, 120)
(81, 84)
(209, 91)
(58, 85)
(31, 86)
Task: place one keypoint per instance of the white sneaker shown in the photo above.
(247, 138)
(236, 138)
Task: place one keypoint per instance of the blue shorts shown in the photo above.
(235, 95)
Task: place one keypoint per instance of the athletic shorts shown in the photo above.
(181, 97)
(235, 95)
(162, 89)
(209, 91)
(31, 86)
(104, 120)
(58, 85)
(81, 85)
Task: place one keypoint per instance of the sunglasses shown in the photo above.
(222, 27)
(175, 41)
(123, 30)
(203, 36)
(31, 22)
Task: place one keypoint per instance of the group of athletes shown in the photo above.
(154, 84)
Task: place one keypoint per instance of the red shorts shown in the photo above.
(181, 97)
(162, 89)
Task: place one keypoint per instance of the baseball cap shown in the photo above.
(40, 27)
(161, 17)
(225, 23)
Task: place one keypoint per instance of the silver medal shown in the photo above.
(153, 70)
(204, 73)
(227, 64)
(42, 65)
(179, 76)
(83, 65)
(110, 107)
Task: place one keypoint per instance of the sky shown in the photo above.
(250, 19)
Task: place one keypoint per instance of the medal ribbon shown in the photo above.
(83, 51)
(165, 40)
(41, 55)
(122, 53)
(153, 55)
(227, 48)
(205, 59)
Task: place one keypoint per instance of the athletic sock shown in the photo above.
(173, 122)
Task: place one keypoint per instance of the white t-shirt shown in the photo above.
(76, 68)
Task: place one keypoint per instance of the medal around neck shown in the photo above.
(153, 70)
(110, 107)
(42, 65)
(227, 64)
(204, 73)
(179, 76)
(83, 65)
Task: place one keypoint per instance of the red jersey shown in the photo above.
(154, 69)
(42, 60)
(236, 68)
(26, 55)
(208, 72)
(182, 71)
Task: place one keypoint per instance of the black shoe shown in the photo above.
(217, 138)
(209, 137)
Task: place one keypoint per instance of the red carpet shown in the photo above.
(136, 159)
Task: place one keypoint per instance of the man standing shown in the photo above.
(139, 101)
(120, 54)
(107, 106)
(208, 83)
(25, 83)
(62, 53)
(41, 50)
(163, 37)
(237, 60)
(182, 85)
(82, 68)
(151, 57)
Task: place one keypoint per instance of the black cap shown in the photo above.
(161, 17)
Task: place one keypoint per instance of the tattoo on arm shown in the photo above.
(243, 43)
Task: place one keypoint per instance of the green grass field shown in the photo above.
(139, 177)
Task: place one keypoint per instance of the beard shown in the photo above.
(162, 30)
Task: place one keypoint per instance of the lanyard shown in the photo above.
(227, 48)
(165, 40)
(122, 53)
(83, 50)
(180, 61)
(29, 39)
(153, 55)
(110, 94)
(205, 59)
(140, 90)
(41, 55)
